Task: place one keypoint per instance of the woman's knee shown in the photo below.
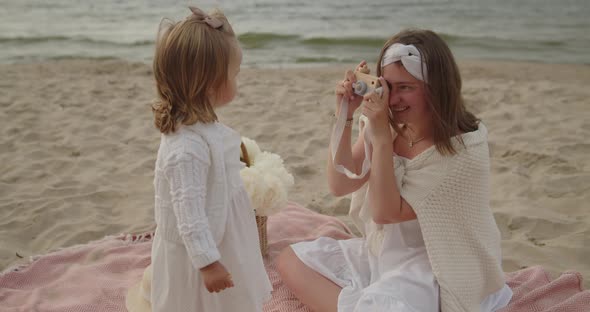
(285, 262)
(290, 268)
(309, 286)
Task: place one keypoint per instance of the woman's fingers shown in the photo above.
(374, 104)
(349, 76)
(349, 90)
(362, 64)
(344, 88)
(340, 90)
(384, 88)
(373, 99)
(348, 81)
(362, 67)
(379, 98)
(368, 107)
(376, 98)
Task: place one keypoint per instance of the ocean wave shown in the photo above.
(80, 57)
(299, 49)
(301, 60)
(254, 40)
(345, 41)
(501, 43)
(61, 39)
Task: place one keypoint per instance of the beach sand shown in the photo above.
(78, 148)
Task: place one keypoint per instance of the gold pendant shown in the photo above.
(411, 144)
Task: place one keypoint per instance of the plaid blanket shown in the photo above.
(96, 276)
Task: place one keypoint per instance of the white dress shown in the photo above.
(177, 284)
(393, 274)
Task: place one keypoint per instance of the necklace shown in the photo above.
(410, 141)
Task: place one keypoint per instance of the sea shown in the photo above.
(287, 33)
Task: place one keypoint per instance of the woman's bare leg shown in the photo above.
(312, 288)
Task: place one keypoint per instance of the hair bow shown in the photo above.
(410, 57)
(211, 21)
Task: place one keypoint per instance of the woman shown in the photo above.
(430, 241)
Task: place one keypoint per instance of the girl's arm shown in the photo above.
(186, 173)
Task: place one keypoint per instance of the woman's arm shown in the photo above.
(350, 157)
(387, 204)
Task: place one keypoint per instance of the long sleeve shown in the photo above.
(187, 175)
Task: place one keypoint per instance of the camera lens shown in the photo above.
(360, 88)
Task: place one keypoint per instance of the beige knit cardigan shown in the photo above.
(450, 195)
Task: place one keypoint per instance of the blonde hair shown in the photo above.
(191, 61)
(443, 90)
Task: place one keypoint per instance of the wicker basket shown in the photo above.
(260, 220)
(261, 223)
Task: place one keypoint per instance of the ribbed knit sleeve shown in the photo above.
(187, 173)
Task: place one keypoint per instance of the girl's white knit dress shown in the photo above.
(388, 269)
(186, 239)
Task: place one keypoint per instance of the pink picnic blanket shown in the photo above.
(96, 276)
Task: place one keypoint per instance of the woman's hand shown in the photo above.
(216, 277)
(376, 108)
(344, 90)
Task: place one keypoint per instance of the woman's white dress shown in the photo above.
(387, 271)
(177, 284)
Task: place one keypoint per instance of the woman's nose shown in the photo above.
(394, 98)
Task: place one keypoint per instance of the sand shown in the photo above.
(78, 148)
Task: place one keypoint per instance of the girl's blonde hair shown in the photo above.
(443, 90)
(190, 64)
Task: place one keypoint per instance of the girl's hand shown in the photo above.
(344, 90)
(216, 277)
(376, 108)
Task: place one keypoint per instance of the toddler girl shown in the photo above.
(206, 254)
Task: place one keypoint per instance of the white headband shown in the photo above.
(410, 57)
